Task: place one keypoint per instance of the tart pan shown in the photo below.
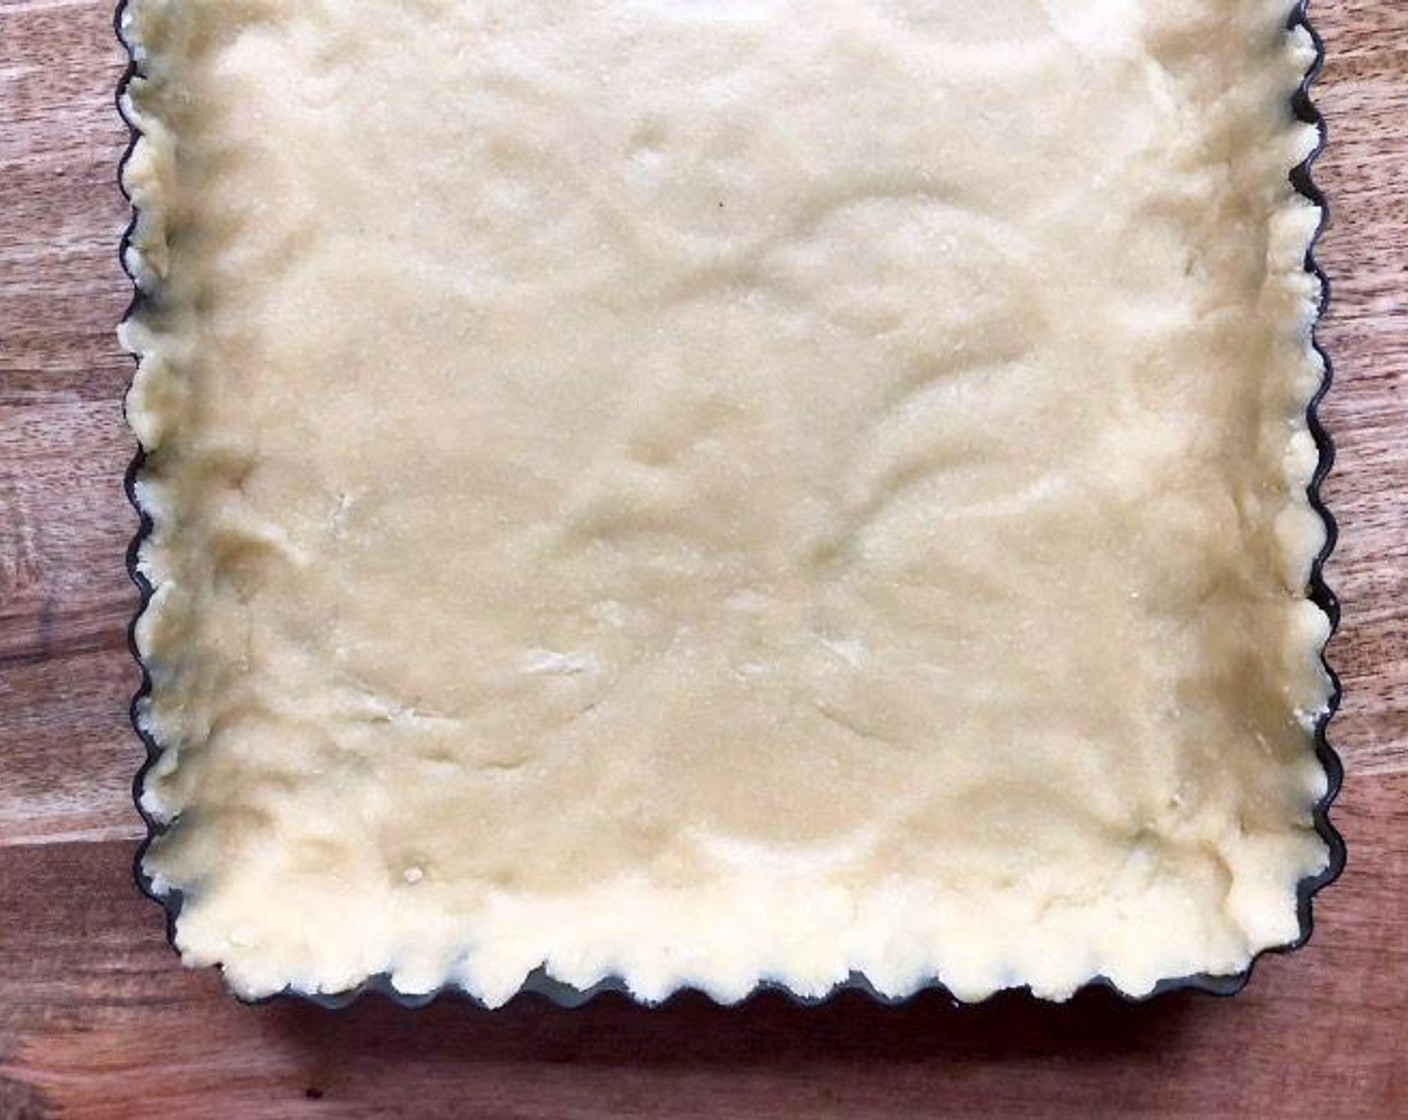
(565, 995)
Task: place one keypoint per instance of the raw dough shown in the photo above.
(711, 490)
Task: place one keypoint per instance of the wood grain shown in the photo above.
(96, 1017)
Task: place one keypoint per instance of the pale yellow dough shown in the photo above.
(704, 491)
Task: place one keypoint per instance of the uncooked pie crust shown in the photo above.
(705, 492)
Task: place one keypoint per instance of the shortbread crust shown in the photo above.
(724, 491)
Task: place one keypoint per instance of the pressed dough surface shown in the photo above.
(719, 491)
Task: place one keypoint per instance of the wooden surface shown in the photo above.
(96, 1017)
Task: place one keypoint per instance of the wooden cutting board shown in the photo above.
(98, 1019)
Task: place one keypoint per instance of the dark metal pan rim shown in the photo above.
(565, 995)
